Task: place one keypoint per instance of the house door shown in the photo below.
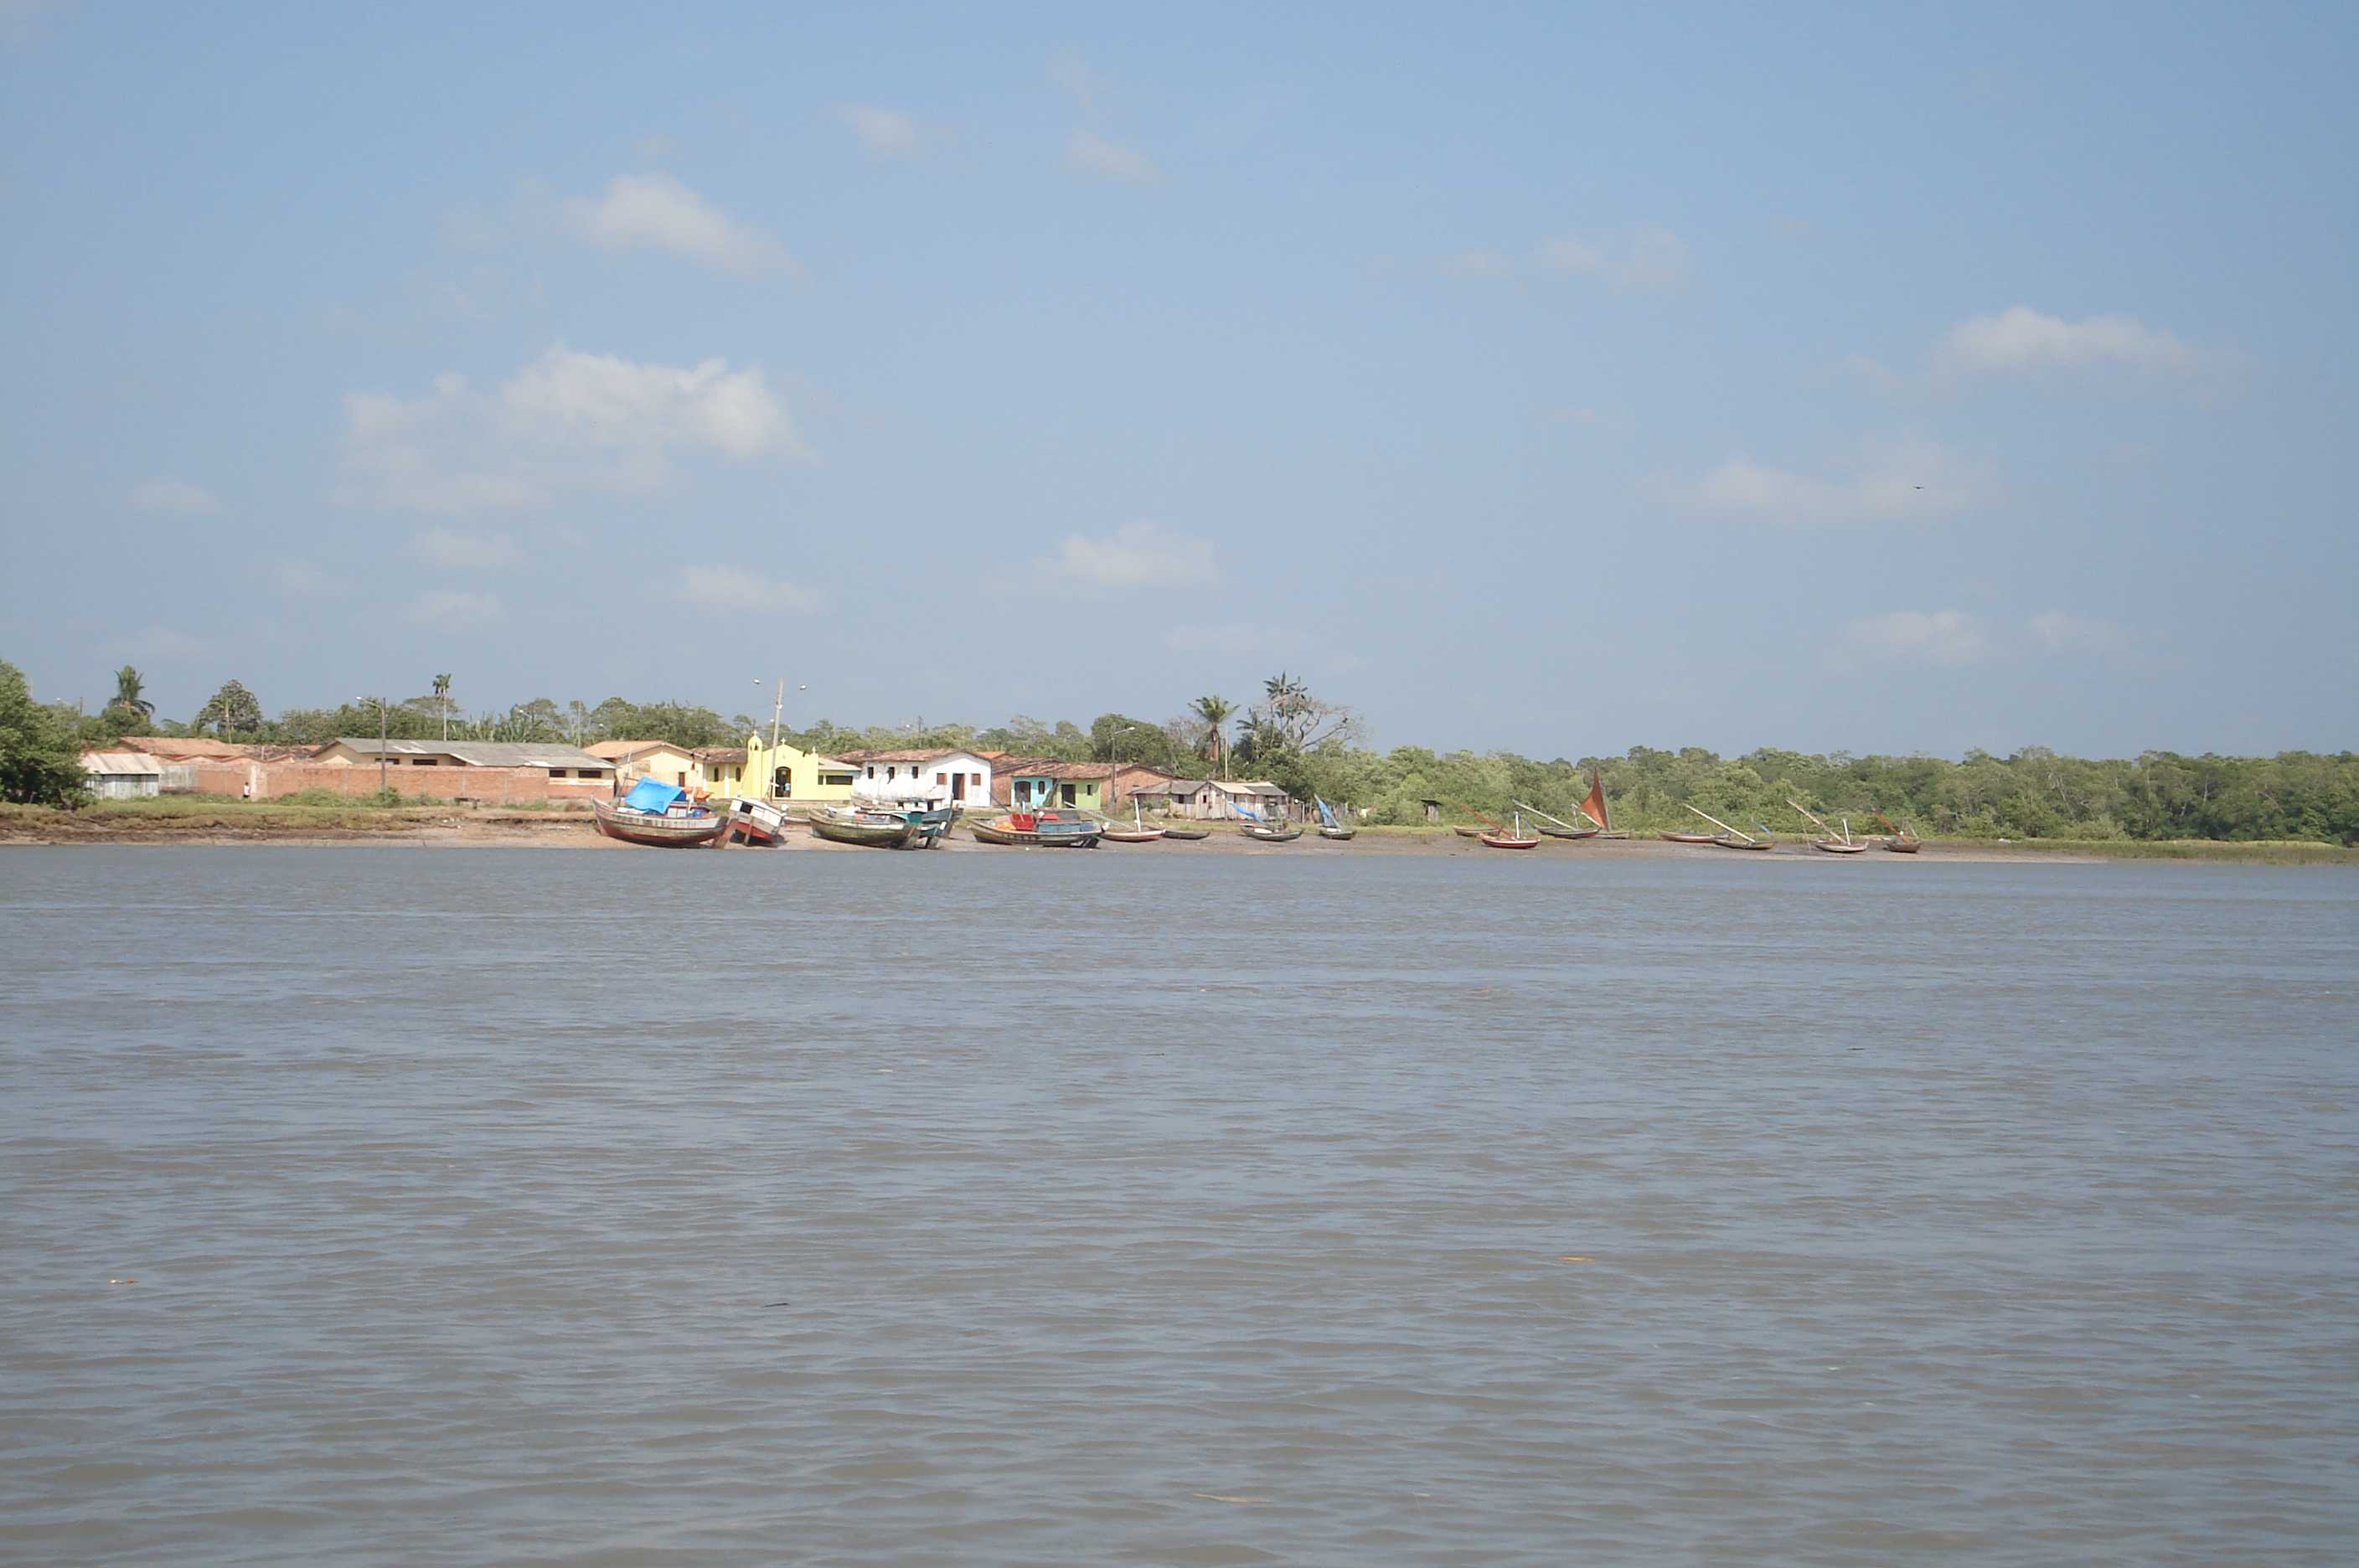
(1067, 791)
(957, 785)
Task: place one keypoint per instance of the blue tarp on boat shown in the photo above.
(653, 795)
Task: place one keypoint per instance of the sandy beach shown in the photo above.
(434, 828)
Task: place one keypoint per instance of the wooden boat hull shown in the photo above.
(1759, 843)
(1904, 845)
(1829, 846)
(1500, 841)
(1272, 835)
(658, 833)
(753, 823)
(991, 833)
(1685, 838)
(871, 835)
(1189, 834)
(1130, 835)
(1470, 832)
(1341, 835)
(1568, 832)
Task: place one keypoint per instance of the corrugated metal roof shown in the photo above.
(483, 753)
(113, 762)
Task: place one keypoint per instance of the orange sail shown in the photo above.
(1594, 807)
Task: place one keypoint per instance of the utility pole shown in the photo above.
(380, 746)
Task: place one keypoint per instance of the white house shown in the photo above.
(937, 774)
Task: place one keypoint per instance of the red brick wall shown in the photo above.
(495, 786)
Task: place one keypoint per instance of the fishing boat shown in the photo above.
(1515, 839)
(1557, 827)
(1831, 843)
(884, 827)
(1331, 825)
(757, 822)
(1263, 830)
(1733, 838)
(1902, 841)
(661, 816)
(1685, 837)
(1042, 830)
(1472, 831)
(1137, 832)
(1182, 830)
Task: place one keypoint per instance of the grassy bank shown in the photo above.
(2281, 852)
(169, 817)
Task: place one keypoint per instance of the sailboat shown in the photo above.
(1594, 807)
(1733, 838)
(1830, 845)
(1556, 827)
(1331, 825)
(1902, 841)
(1139, 832)
(1518, 839)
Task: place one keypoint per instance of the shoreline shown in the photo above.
(227, 825)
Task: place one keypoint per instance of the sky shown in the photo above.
(1549, 378)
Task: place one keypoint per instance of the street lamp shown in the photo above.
(1114, 759)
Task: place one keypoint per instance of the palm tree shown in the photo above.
(130, 693)
(1214, 712)
(442, 700)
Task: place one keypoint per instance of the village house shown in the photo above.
(791, 773)
(1104, 788)
(1180, 798)
(657, 759)
(122, 775)
(935, 775)
(1261, 796)
(721, 770)
(570, 770)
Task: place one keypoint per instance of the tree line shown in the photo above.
(1312, 748)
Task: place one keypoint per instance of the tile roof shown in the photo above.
(623, 750)
(722, 754)
(120, 762)
(484, 753)
(182, 747)
(919, 754)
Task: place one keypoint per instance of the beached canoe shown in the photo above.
(1271, 833)
(659, 830)
(1685, 837)
(1508, 841)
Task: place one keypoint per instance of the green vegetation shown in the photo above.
(1311, 748)
(40, 754)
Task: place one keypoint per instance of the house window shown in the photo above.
(890, 774)
(975, 779)
(941, 780)
(871, 770)
(585, 773)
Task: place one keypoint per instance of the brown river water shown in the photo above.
(519, 1206)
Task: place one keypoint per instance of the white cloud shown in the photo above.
(1910, 481)
(1070, 71)
(452, 607)
(565, 422)
(162, 494)
(887, 132)
(1944, 638)
(302, 580)
(1093, 154)
(1138, 555)
(1646, 256)
(456, 551)
(656, 212)
(727, 588)
(2020, 338)
(2058, 633)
